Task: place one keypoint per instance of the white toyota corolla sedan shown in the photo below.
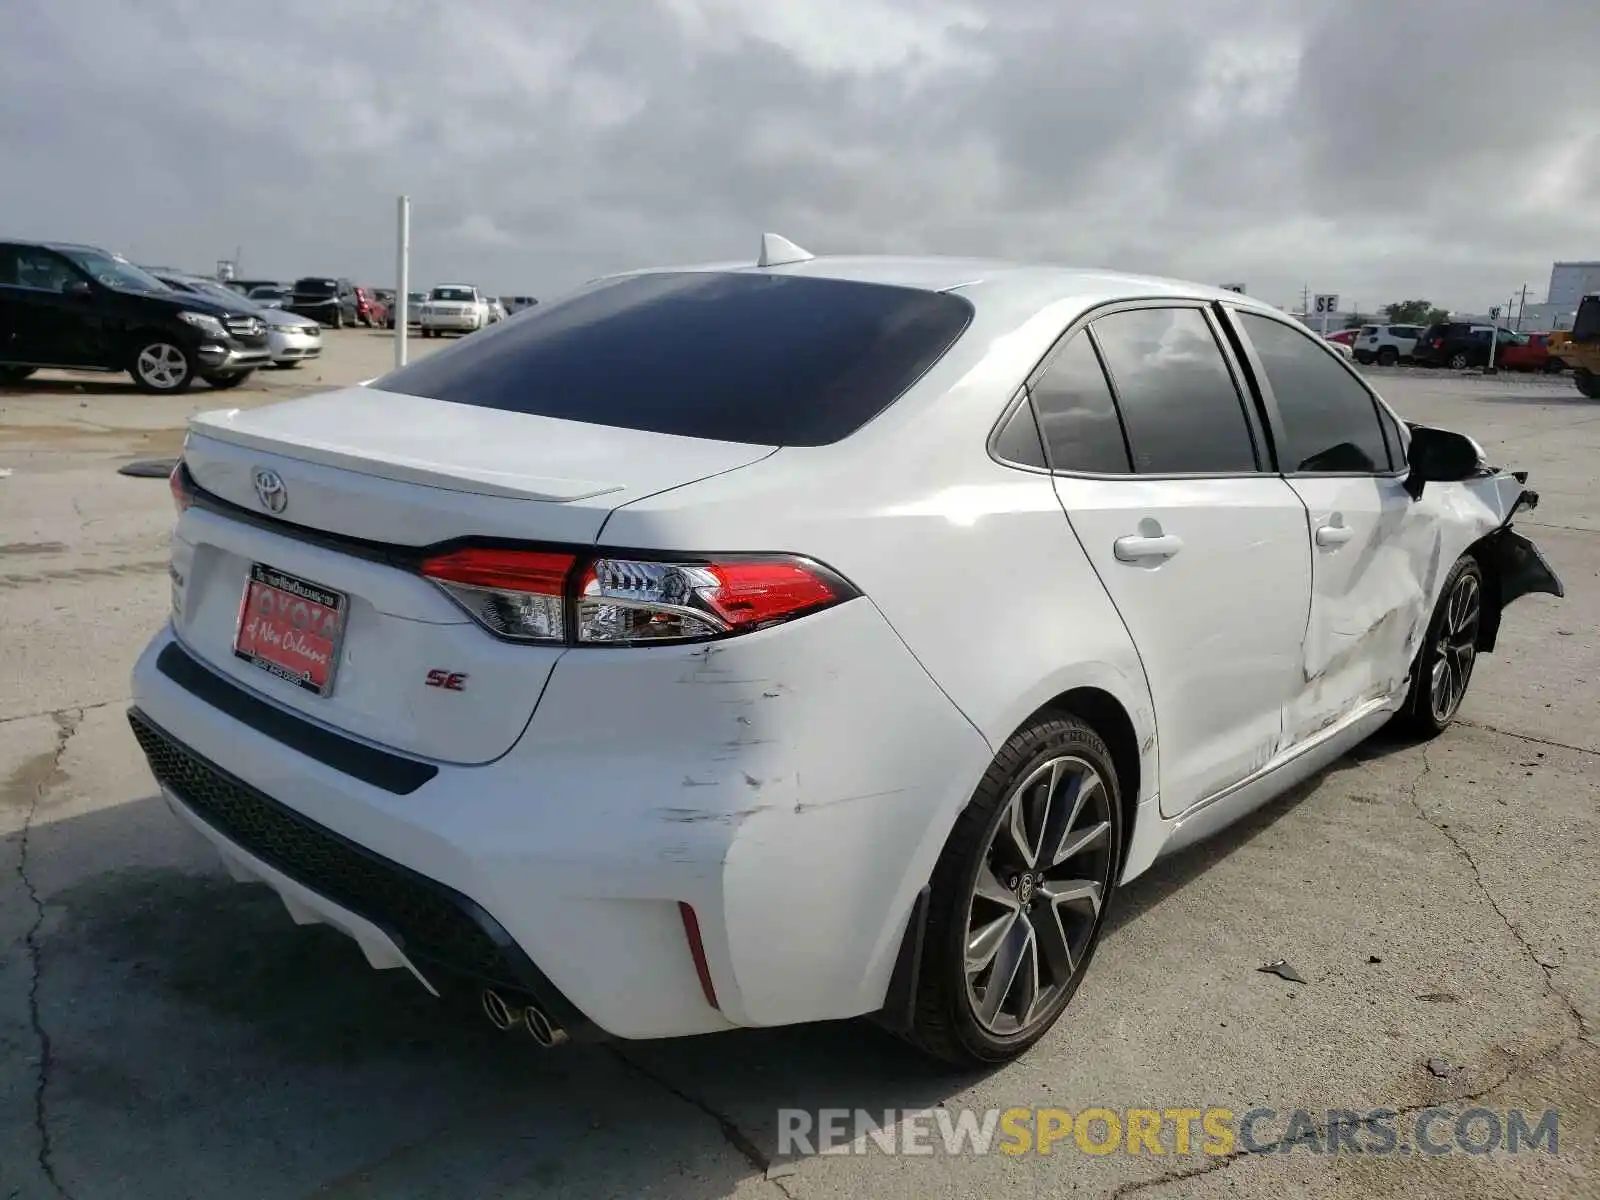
(751, 644)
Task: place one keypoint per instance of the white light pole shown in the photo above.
(402, 271)
(1494, 338)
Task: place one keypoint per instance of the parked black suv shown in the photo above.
(83, 309)
(328, 302)
(1457, 344)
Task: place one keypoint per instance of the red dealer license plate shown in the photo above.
(291, 628)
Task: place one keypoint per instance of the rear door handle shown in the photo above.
(1139, 548)
(1334, 535)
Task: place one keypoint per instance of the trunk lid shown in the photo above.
(353, 479)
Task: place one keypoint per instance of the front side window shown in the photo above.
(34, 267)
(1179, 405)
(1330, 422)
(1077, 416)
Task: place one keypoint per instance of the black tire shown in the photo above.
(946, 1023)
(1459, 361)
(1554, 366)
(1388, 356)
(223, 382)
(10, 376)
(1588, 382)
(1423, 716)
(338, 318)
(160, 366)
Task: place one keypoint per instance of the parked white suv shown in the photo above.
(726, 647)
(1386, 344)
(453, 308)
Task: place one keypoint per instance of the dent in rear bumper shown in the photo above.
(794, 786)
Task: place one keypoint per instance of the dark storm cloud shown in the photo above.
(1376, 150)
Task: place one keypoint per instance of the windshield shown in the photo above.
(212, 290)
(460, 295)
(416, 297)
(115, 272)
(1586, 324)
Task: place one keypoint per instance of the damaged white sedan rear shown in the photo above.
(746, 645)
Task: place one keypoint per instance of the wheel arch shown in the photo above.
(1107, 716)
(1482, 552)
(140, 336)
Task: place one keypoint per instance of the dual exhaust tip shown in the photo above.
(506, 1015)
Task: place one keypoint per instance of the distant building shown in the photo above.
(1571, 282)
(1545, 316)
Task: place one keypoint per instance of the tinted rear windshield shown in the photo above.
(316, 287)
(460, 295)
(782, 360)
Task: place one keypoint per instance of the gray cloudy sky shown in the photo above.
(1380, 150)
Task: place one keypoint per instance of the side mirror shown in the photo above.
(78, 289)
(1440, 456)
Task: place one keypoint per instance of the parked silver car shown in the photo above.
(291, 338)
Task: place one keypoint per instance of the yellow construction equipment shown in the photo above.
(1580, 349)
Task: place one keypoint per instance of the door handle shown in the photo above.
(1141, 547)
(1334, 535)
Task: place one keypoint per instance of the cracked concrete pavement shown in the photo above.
(166, 1032)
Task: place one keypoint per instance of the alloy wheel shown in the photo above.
(1037, 897)
(1455, 649)
(162, 366)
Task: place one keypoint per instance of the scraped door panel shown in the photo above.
(1375, 565)
(1218, 621)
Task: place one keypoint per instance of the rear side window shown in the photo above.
(785, 360)
(1179, 405)
(1018, 442)
(1330, 422)
(1369, 330)
(1077, 417)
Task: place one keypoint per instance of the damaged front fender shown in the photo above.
(1517, 568)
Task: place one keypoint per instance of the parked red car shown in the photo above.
(369, 310)
(1526, 352)
(1345, 337)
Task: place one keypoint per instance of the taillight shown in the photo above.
(179, 487)
(530, 595)
(516, 594)
(628, 600)
(1438, 343)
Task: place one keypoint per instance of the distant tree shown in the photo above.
(1410, 312)
(1436, 316)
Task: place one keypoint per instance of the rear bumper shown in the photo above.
(398, 917)
(792, 786)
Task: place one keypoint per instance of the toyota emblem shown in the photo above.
(270, 491)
